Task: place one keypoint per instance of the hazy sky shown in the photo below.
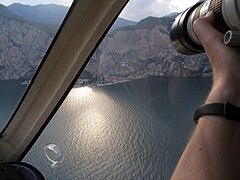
(139, 9)
(135, 10)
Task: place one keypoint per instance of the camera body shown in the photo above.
(227, 15)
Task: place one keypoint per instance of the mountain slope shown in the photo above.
(120, 22)
(48, 14)
(5, 12)
(144, 50)
(22, 47)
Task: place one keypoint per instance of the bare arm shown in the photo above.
(214, 149)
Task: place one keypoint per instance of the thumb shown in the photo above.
(207, 34)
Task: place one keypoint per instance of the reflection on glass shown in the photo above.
(54, 154)
(26, 31)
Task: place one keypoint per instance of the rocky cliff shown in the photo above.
(145, 50)
(126, 53)
(22, 46)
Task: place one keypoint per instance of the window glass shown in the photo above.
(26, 31)
(129, 116)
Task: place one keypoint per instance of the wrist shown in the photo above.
(224, 92)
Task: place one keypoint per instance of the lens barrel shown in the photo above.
(216, 7)
(227, 15)
(180, 36)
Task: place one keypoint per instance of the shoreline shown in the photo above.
(94, 85)
(98, 84)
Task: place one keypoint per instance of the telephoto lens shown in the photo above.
(227, 15)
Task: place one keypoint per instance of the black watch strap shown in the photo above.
(227, 110)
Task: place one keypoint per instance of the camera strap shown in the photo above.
(227, 110)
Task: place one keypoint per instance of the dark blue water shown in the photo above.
(133, 130)
(10, 95)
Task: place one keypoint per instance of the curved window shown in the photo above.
(129, 115)
(26, 32)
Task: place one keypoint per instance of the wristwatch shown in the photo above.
(227, 110)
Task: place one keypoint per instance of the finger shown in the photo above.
(209, 17)
(206, 33)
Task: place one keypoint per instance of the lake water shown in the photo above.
(132, 130)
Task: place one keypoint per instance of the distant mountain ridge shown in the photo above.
(48, 28)
(120, 22)
(49, 14)
(5, 12)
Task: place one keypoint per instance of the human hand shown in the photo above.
(225, 62)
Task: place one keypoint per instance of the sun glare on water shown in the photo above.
(81, 92)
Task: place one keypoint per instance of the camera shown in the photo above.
(227, 15)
